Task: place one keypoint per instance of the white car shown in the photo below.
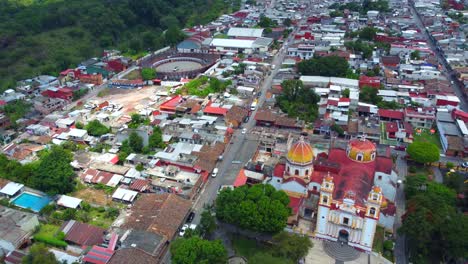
(244, 130)
(184, 228)
(214, 173)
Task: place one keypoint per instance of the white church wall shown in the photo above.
(387, 183)
(387, 221)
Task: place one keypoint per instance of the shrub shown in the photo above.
(112, 212)
(48, 209)
(50, 241)
(388, 245)
(412, 169)
(450, 165)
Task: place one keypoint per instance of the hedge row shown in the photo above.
(50, 241)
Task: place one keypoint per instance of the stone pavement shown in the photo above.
(317, 255)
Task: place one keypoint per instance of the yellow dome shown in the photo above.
(361, 150)
(301, 153)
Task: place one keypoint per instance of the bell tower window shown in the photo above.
(325, 199)
(372, 211)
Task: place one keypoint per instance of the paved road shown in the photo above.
(241, 149)
(458, 90)
(400, 245)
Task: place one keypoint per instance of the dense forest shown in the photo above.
(46, 36)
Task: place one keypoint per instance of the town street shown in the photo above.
(440, 57)
(400, 202)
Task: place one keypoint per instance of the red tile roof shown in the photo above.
(295, 203)
(296, 179)
(241, 179)
(393, 114)
(140, 185)
(279, 170)
(215, 110)
(391, 127)
(82, 234)
(98, 255)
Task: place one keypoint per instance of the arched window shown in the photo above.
(307, 172)
(296, 172)
(359, 157)
(287, 168)
(373, 156)
(375, 197)
(325, 199)
(372, 211)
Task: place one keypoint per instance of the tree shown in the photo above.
(54, 175)
(79, 125)
(423, 152)
(207, 223)
(266, 22)
(332, 66)
(148, 74)
(369, 95)
(298, 101)
(287, 22)
(368, 33)
(195, 250)
(39, 254)
(345, 93)
(96, 128)
(259, 208)
(338, 129)
(173, 35)
(135, 142)
(415, 55)
(291, 246)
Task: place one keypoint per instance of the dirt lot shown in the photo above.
(130, 98)
(93, 196)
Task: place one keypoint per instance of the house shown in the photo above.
(61, 93)
(124, 195)
(390, 115)
(248, 177)
(159, 214)
(76, 134)
(47, 105)
(132, 255)
(420, 117)
(82, 234)
(236, 32)
(235, 116)
(11, 189)
(373, 82)
(69, 202)
(453, 134)
(16, 227)
(246, 46)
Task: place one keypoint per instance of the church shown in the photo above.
(353, 189)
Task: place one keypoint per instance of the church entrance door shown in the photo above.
(343, 236)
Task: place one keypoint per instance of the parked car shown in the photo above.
(214, 173)
(464, 164)
(246, 119)
(244, 130)
(185, 227)
(401, 148)
(190, 217)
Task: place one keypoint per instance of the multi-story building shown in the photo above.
(420, 117)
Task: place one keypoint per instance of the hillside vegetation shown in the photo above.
(47, 36)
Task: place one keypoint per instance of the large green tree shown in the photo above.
(195, 250)
(433, 227)
(369, 95)
(332, 66)
(298, 101)
(148, 74)
(291, 245)
(54, 175)
(423, 152)
(259, 208)
(96, 128)
(155, 140)
(39, 254)
(135, 142)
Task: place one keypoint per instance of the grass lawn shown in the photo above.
(99, 218)
(133, 75)
(426, 136)
(378, 240)
(50, 235)
(249, 248)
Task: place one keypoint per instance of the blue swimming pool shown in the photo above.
(31, 201)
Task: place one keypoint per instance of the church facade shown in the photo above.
(355, 187)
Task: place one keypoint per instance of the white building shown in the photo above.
(246, 46)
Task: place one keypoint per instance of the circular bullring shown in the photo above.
(181, 64)
(171, 65)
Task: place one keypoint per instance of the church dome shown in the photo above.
(361, 150)
(301, 153)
